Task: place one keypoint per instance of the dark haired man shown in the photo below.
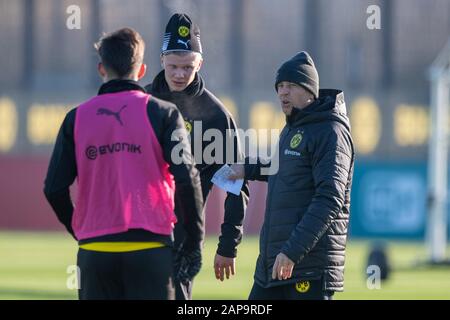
(118, 145)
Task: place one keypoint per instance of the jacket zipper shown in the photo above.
(269, 203)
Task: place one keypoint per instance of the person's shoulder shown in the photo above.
(72, 112)
(148, 88)
(161, 108)
(70, 116)
(214, 102)
(68, 123)
(335, 128)
(161, 104)
(332, 134)
(325, 129)
(212, 99)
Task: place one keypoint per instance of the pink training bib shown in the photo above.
(123, 180)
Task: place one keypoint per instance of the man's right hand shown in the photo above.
(223, 266)
(239, 172)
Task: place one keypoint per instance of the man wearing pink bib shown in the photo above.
(119, 145)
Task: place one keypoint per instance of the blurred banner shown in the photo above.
(389, 200)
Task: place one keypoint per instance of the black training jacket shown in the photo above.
(308, 200)
(198, 105)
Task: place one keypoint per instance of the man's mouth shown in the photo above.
(178, 83)
(285, 103)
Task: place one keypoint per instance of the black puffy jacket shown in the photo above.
(308, 200)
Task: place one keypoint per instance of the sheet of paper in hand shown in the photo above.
(221, 180)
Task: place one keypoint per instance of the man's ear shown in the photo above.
(162, 61)
(101, 70)
(199, 65)
(142, 71)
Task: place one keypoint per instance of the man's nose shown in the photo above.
(179, 73)
(283, 91)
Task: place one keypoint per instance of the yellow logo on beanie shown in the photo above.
(183, 31)
(188, 126)
(295, 141)
(302, 286)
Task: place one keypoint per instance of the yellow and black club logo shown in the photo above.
(183, 31)
(302, 286)
(188, 126)
(295, 141)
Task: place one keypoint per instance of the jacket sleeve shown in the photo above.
(235, 205)
(61, 173)
(177, 153)
(253, 169)
(259, 169)
(332, 157)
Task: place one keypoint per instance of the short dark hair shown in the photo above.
(121, 51)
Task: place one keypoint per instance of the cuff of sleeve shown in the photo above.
(226, 252)
(294, 255)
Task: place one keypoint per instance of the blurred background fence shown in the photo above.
(46, 69)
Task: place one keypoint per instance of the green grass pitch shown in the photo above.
(34, 266)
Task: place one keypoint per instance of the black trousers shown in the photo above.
(303, 290)
(183, 291)
(142, 274)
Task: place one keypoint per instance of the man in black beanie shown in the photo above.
(303, 238)
(179, 82)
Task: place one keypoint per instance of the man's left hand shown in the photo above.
(187, 264)
(282, 269)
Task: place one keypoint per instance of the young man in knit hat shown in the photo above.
(179, 82)
(304, 234)
(118, 145)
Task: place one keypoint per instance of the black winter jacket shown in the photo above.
(308, 200)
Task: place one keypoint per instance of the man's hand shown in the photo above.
(187, 264)
(239, 172)
(282, 269)
(223, 266)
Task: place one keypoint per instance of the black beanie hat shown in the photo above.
(181, 35)
(301, 70)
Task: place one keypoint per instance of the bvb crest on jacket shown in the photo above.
(296, 140)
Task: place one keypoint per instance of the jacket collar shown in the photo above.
(330, 106)
(118, 85)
